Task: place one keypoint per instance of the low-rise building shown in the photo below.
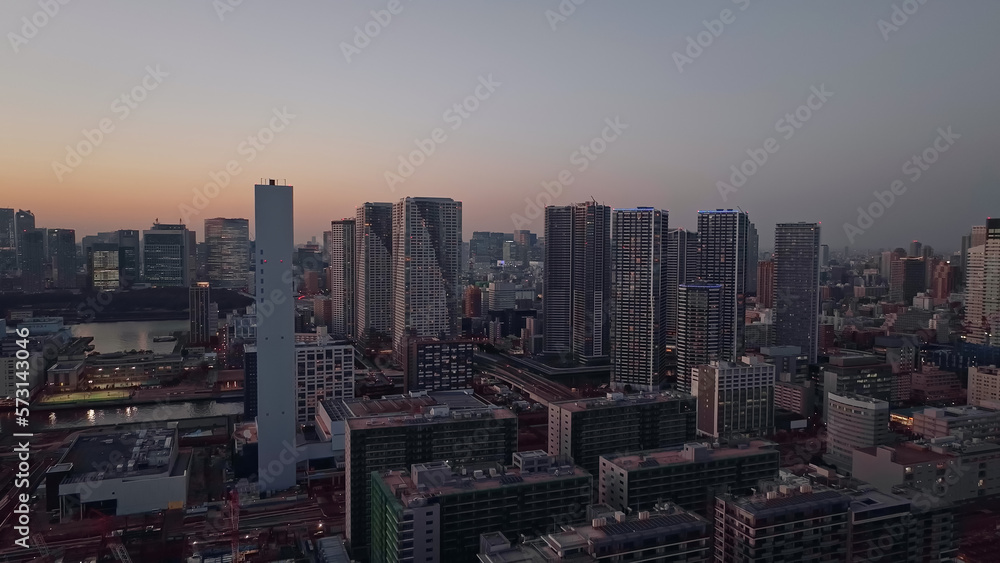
(130, 369)
(964, 423)
(119, 473)
(984, 386)
(934, 385)
(433, 364)
(951, 472)
(689, 476)
(65, 376)
(798, 398)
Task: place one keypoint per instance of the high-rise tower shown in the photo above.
(577, 289)
(342, 276)
(682, 267)
(724, 240)
(796, 286)
(373, 289)
(638, 289)
(426, 269)
(275, 337)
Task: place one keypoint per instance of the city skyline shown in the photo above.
(680, 129)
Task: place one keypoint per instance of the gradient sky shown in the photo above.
(354, 120)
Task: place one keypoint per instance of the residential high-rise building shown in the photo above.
(577, 291)
(853, 421)
(689, 475)
(391, 433)
(639, 297)
(199, 297)
(426, 269)
(753, 256)
(979, 234)
(585, 429)
(765, 284)
(896, 275)
(666, 533)
(982, 300)
(975, 296)
(735, 400)
(724, 241)
(373, 290)
(794, 525)
(324, 370)
(699, 338)
(31, 246)
(342, 278)
(165, 255)
(24, 221)
(682, 268)
(8, 242)
(228, 246)
(104, 266)
(276, 368)
(796, 286)
(943, 280)
(62, 256)
(435, 511)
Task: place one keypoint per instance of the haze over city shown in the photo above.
(444, 281)
(359, 104)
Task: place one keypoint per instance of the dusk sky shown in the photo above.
(221, 79)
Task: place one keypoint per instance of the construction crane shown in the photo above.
(233, 515)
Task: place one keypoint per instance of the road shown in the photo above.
(538, 388)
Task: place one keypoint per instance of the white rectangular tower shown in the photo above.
(275, 337)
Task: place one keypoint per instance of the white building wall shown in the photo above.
(275, 335)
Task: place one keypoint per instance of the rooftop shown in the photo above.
(965, 411)
(689, 453)
(869, 500)
(67, 366)
(858, 400)
(121, 454)
(908, 453)
(851, 358)
(412, 489)
(762, 506)
(417, 408)
(617, 400)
